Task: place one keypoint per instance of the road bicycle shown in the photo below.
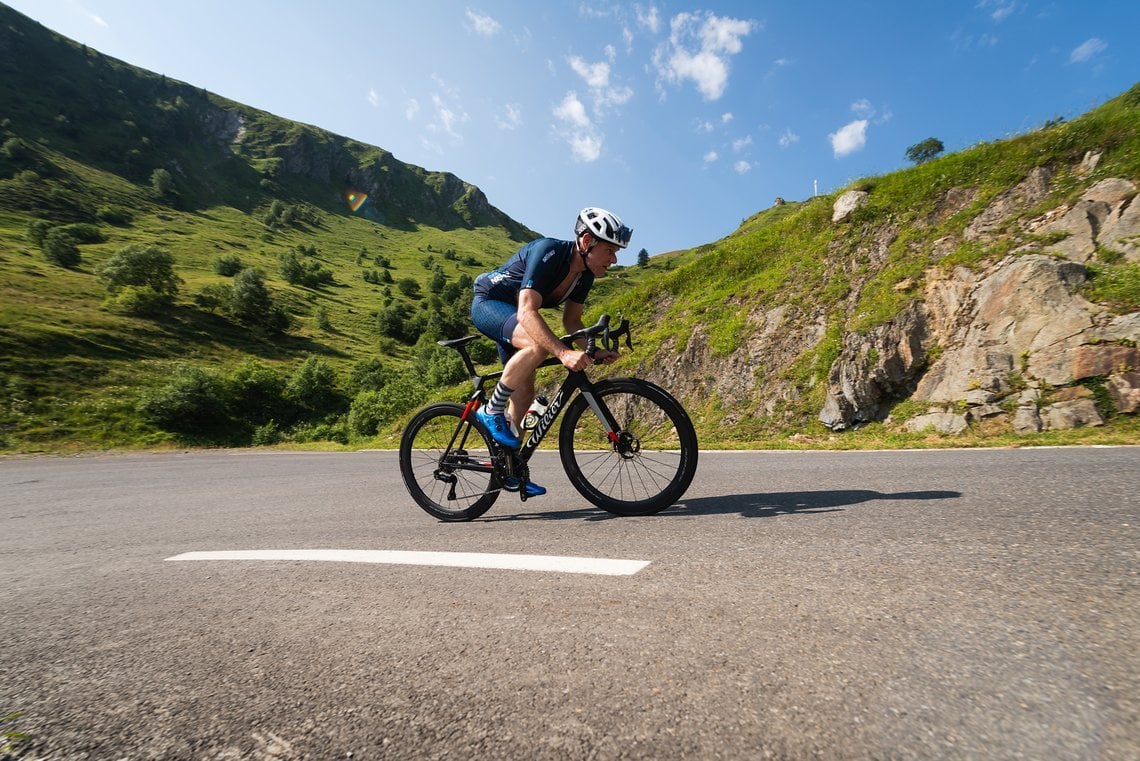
(626, 444)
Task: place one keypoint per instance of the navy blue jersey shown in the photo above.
(540, 265)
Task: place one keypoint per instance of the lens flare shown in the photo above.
(355, 200)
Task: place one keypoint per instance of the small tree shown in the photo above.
(252, 304)
(141, 265)
(922, 152)
(162, 183)
(313, 388)
(227, 265)
(643, 258)
(60, 248)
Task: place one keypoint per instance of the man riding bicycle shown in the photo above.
(542, 274)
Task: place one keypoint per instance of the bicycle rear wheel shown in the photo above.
(446, 464)
(649, 460)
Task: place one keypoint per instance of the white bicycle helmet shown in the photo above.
(603, 225)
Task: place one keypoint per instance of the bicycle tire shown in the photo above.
(652, 463)
(434, 473)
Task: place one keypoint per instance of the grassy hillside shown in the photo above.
(794, 256)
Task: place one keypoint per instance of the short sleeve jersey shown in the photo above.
(541, 265)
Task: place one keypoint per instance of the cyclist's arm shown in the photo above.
(530, 301)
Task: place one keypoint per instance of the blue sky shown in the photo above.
(682, 117)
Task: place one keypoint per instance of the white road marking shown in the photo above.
(555, 563)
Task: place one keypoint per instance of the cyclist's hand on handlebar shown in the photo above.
(575, 360)
(605, 356)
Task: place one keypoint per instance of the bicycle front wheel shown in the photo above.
(446, 464)
(635, 454)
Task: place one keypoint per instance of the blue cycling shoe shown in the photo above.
(499, 428)
(532, 489)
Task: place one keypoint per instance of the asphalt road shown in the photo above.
(875, 605)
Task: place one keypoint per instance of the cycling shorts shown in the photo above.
(497, 321)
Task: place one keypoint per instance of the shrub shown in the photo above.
(138, 301)
(367, 375)
(162, 183)
(60, 248)
(372, 409)
(227, 265)
(141, 265)
(300, 272)
(322, 319)
(115, 215)
(409, 287)
(192, 402)
(257, 393)
(265, 435)
(313, 388)
(335, 432)
(84, 232)
(213, 297)
(251, 303)
(37, 231)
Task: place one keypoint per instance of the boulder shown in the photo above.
(983, 411)
(847, 203)
(1121, 230)
(1024, 308)
(940, 422)
(1124, 389)
(1027, 420)
(1082, 223)
(873, 368)
(1104, 359)
(1029, 192)
(1072, 414)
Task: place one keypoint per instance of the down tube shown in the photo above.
(573, 382)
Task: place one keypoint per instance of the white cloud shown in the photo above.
(648, 18)
(788, 138)
(705, 126)
(1087, 50)
(484, 25)
(742, 143)
(586, 147)
(864, 109)
(597, 78)
(597, 75)
(578, 130)
(726, 117)
(1002, 9)
(511, 118)
(711, 156)
(411, 109)
(572, 111)
(742, 167)
(448, 118)
(698, 49)
(373, 97)
(96, 20)
(849, 138)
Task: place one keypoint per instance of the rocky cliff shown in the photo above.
(1014, 341)
(964, 293)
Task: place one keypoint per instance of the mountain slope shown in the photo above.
(108, 156)
(820, 321)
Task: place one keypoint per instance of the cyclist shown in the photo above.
(542, 274)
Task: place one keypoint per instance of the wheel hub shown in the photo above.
(627, 445)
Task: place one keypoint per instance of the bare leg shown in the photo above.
(519, 374)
